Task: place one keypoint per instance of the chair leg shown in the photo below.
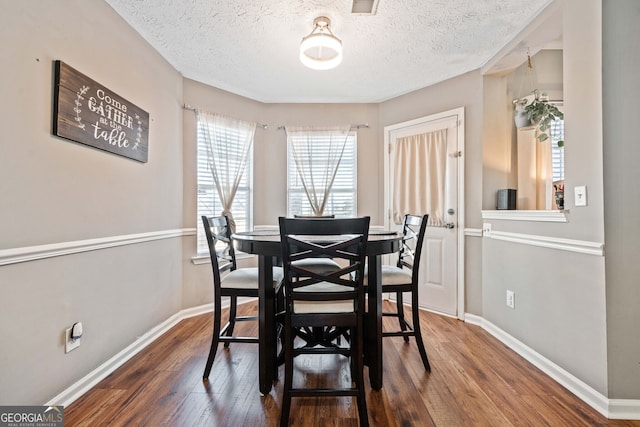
(288, 375)
(233, 306)
(415, 313)
(357, 375)
(215, 339)
(401, 320)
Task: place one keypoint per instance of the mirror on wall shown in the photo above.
(504, 81)
(535, 88)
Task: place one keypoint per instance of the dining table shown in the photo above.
(266, 245)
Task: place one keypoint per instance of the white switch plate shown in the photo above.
(486, 229)
(580, 196)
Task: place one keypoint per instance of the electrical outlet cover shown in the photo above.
(70, 343)
(511, 299)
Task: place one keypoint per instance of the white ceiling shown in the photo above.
(250, 47)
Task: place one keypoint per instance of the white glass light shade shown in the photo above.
(321, 50)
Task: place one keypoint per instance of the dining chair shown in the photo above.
(237, 282)
(328, 302)
(403, 277)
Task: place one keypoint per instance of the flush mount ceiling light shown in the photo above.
(321, 50)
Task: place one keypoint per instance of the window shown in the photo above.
(557, 153)
(342, 198)
(208, 200)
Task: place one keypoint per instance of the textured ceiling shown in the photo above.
(250, 47)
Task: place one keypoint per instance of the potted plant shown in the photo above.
(520, 114)
(542, 113)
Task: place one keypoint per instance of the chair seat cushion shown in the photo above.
(392, 275)
(318, 265)
(247, 278)
(304, 307)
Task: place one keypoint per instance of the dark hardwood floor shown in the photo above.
(475, 381)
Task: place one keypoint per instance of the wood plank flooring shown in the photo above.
(475, 381)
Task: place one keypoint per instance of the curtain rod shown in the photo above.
(362, 125)
(189, 107)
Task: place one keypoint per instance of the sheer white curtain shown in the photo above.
(544, 174)
(317, 152)
(229, 143)
(419, 176)
(535, 171)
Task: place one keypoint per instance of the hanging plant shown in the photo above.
(542, 113)
(520, 115)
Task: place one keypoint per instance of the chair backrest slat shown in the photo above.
(216, 229)
(413, 231)
(341, 239)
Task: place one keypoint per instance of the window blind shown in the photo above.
(342, 198)
(557, 153)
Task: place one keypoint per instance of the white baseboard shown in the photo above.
(624, 409)
(94, 377)
(619, 409)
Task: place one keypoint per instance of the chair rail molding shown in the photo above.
(571, 245)
(32, 253)
(473, 232)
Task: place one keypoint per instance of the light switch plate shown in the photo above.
(580, 196)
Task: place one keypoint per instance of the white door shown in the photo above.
(441, 266)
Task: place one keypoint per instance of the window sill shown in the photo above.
(529, 215)
(200, 259)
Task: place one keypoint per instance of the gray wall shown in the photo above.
(560, 295)
(621, 87)
(55, 191)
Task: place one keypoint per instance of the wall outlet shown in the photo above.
(511, 299)
(70, 343)
(486, 229)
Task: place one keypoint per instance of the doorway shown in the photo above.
(441, 278)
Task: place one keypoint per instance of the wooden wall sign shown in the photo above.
(87, 112)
